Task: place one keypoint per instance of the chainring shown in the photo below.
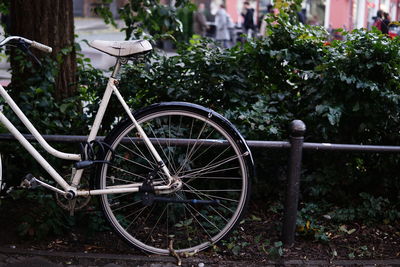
(75, 204)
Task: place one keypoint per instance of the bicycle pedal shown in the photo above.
(29, 182)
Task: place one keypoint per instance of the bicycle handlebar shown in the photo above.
(34, 44)
(41, 47)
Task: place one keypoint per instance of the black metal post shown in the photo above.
(297, 130)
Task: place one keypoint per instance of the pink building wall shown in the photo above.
(395, 5)
(231, 8)
(234, 8)
(340, 14)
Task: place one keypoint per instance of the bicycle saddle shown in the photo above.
(121, 48)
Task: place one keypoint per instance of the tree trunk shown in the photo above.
(50, 22)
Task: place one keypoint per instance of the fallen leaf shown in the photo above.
(351, 231)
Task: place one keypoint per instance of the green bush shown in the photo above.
(345, 92)
(151, 19)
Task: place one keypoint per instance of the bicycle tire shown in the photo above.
(192, 227)
(1, 176)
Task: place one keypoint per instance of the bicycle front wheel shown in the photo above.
(202, 150)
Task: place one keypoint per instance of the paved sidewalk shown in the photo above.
(14, 257)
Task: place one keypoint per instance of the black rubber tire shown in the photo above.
(187, 233)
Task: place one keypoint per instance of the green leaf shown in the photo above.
(334, 115)
(63, 107)
(255, 218)
(356, 107)
(320, 109)
(236, 250)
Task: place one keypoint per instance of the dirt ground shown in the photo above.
(256, 239)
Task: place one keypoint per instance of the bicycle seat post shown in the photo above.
(77, 175)
(117, 68)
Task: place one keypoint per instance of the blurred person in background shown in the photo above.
(378, 20)
(199, 21)
(301, 16)
(385, 23)
(270, 11)
(248, 19)
(222, 21)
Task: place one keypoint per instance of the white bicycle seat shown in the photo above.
(121, 48)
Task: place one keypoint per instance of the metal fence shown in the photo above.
(296, 145)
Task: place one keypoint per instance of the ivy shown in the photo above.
(148, 19)
(345, 91)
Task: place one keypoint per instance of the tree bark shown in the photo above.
(50, 22)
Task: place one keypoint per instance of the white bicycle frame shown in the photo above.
(77, 174)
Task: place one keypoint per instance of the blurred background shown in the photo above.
(331, 14)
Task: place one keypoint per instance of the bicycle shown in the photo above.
(172, 176)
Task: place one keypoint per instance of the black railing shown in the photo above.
(296, 146)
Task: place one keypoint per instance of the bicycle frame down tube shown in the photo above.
(14, 131)
(33, 130)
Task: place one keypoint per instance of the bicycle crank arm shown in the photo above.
(31, 182)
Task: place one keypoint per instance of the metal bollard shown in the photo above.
(297, 130)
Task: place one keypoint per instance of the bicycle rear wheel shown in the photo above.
(199, 147)
(1, 176)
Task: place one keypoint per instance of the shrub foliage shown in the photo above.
(345, 91)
